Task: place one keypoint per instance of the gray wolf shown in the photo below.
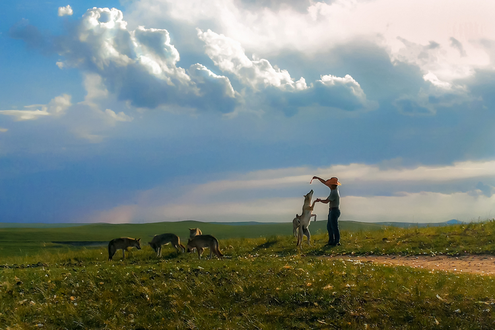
(164, 239)
(194, 232)
(304, 219)
(204, 241)
(296, 223)
(122, 244)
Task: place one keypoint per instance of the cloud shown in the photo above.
(20, 115)
(421, 207)
(59, 104)
(340, 92)
(419, 194)
(311, 26)
(32, 36)
(485, 189)
(91, 118)
(228, 55)
(140, 65)
(121, 116)
(442, 53)
(458, 45)
(3, 130)
(56, 107)
(65, 11)
(276, 85)
(435, 95)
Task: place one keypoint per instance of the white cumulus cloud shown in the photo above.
(65, 11)
(229, 56)
(280, 89)
(140, 65)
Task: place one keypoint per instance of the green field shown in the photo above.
(262, 283)
(43, 238)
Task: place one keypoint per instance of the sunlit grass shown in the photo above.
(264, 283)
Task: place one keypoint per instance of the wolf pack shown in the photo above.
(197, 241)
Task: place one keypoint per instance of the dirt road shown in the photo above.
(476, 264)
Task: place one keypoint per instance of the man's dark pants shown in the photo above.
(333, 226)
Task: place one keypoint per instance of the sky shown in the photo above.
(140, 111)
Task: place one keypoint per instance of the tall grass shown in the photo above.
(264, 283)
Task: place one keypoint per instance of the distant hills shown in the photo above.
(347, 224)
(422, 224)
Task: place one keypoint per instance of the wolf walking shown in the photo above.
(204, 241)
(164, 239)
(122, 243)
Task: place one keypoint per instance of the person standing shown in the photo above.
(334, 209)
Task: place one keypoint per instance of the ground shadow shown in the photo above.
(265, 245)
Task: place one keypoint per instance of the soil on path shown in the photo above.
(475, 264)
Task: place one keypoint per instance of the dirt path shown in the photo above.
(476, 264)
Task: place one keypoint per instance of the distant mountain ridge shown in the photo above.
(421, 224)
(231, 223)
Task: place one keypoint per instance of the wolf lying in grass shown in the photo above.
(304, 219)
(122, 244)
(164, 239)
(199, 242)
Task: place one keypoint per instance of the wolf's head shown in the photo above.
(137, 243)
(188, 246)
(308, 197)
(194, 232)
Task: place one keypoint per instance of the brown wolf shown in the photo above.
(164, 239)
(194, 232)
(122, 244)
(304, 219)
(204, 241)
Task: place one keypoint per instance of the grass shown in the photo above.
(42, 238)
(265, 283)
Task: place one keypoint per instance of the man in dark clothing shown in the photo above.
(334, 212)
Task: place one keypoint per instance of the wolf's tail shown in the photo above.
(219, 253)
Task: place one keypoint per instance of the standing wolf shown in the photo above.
(194, 232)
(296, 223)
(122, 244)
(164, 239)
(204, 241)
(304, 219)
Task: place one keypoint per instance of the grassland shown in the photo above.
(42, 238)
(265, 283)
